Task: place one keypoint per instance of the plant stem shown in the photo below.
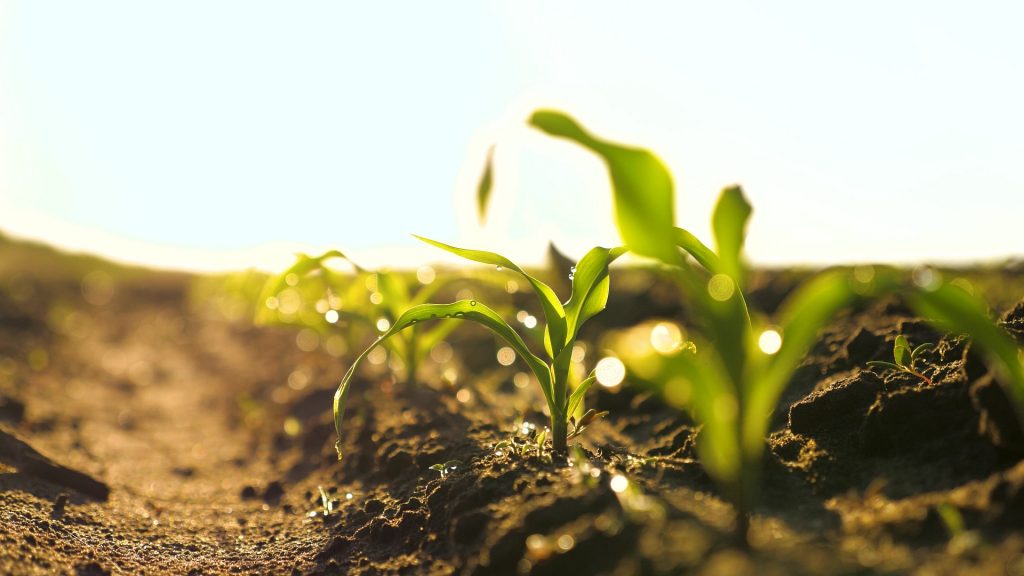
(922, 377)
(559, 431)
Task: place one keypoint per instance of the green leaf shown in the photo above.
(554, 313)
(883, 364)
(920, 350)
(713, 402)
(303, 265)
(462, 310)
(589, 289)
(802, 316)
(958, 310)
(641, 185)
(700, 252)
(577, 395)
(899, 350)
(394, 291)
(590, 417)
(729, 222)
(483, 189)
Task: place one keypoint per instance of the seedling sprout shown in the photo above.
(733, 381)
(590, 285)
(905, 358)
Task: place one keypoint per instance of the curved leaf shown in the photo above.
(899, 350)
(729, 223)
(589, 289)
(304, 264)
(641, 184)
(700, 252)
(803, 315)
(713, 402)
(577, 395)
(461, 310)
(554, 313)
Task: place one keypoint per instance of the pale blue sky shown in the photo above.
(211, 134)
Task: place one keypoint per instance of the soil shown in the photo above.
(147, 427)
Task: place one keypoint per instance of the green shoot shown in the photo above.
(447, 468)
(952, 307)
(905, 358)
(525, 440)
(732, 381)
(587, 419)
(961, 540)
(589, 296)
(370, 300)
(732, 378)
(327, 504)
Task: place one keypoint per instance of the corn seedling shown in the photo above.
(371, 300)
(734, 379)
(589, 296)
(731, 378)
(905, 358)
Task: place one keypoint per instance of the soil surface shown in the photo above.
(147, 427)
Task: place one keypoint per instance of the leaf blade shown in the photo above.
(642, 187)
(461, 310)
(729, 225)
(554, 312)
(590, 286)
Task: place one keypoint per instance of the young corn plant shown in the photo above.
(589, 296)
(370, 300)
(733, 375)
(739, 369)
(906, 359)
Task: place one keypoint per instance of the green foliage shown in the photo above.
(733, 379)
(905, 359)
(356, 302)
(589, 296)
(644, 202)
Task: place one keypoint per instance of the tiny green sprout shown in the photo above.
(961, 540)
(327, 503)
(905, 358)
(524, 441)
(367, 299)
(590, 285)
(447, 468)
(587, 419)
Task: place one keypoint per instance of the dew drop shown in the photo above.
(498, 268)
(472, 302)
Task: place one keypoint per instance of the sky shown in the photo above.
(215, 135)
